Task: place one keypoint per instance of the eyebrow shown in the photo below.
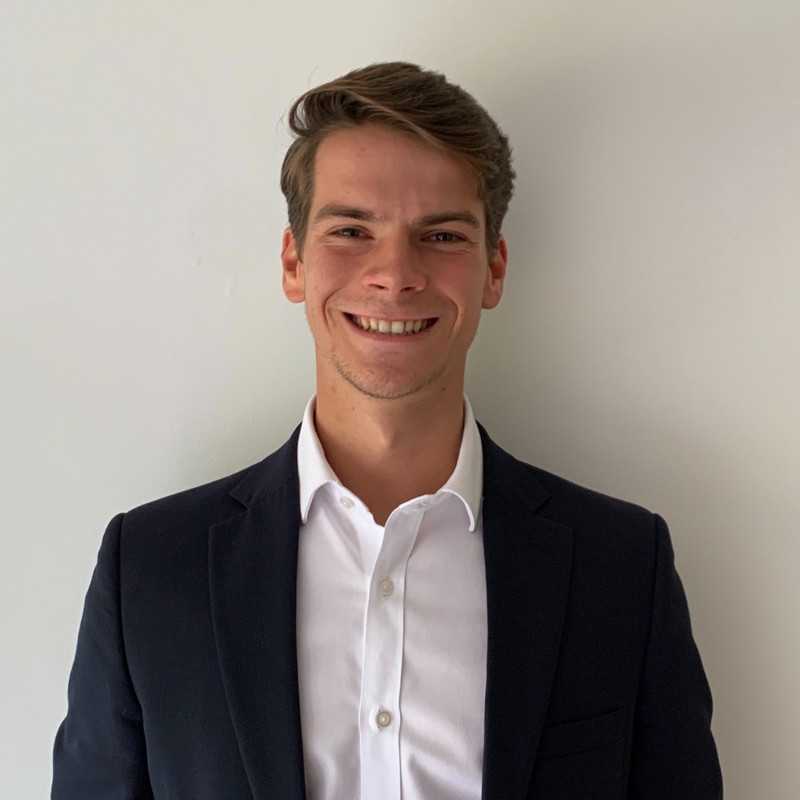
(351, 212)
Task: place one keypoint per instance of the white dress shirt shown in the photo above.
(391, 635)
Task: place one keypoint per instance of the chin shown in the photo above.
(389, 387)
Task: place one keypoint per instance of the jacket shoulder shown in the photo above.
(583, 509)
(568, 497)
(506, 473)
(201, 506)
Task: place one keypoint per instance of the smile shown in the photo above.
(391, 327)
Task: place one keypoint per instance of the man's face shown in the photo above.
(396, 241)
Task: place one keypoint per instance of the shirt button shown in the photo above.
(346, 501)
(386, 587)
(383, 719)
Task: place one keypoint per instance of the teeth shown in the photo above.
(393, 327)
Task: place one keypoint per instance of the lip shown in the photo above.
(397, 338)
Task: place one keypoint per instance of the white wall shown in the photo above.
(648, 345)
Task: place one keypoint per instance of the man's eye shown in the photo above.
(444, 237)
(348, 233)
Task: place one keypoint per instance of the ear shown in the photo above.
(294, 283)
(495, 275)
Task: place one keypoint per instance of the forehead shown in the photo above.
(387, 168)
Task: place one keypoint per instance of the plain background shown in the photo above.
(648, 344)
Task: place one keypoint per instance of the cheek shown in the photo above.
(321, 291)
(466, 293)
(331, 274)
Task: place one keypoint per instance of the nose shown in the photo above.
(395, 267)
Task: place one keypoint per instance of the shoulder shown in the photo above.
(597, 520)
(194, 510)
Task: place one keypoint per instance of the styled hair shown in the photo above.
(407, 98)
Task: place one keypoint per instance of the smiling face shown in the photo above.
(394, 270)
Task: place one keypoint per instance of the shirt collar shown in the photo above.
(466, 482)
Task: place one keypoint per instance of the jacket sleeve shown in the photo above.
(99, 749)
(673, 752)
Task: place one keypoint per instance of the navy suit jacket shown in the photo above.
(184, 685)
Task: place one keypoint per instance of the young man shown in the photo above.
(390, 605)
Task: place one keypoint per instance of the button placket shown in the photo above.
(383, 658)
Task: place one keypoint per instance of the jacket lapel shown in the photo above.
(528, 563)
(253, 569)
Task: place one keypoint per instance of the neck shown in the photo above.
(390, 451)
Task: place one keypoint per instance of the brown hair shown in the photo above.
(408, 98)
